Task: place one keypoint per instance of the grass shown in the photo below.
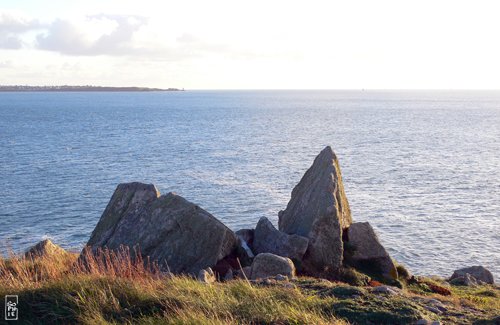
(113, 288)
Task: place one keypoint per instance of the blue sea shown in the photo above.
(423, 167)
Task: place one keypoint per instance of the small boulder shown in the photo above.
(267, 265)
(386, 290)
(45, 249)
(268, 239)
(479, 273)
(367, 252)
(464, 280)
(319, 210)
(206, 276)
(179, 235)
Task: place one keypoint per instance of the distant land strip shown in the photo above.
(81, 88)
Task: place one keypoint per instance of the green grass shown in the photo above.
(113, 289)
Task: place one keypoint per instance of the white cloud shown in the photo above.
(65, 37)
(263, 44)
(11, 26)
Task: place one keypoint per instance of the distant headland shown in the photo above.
(18, 88)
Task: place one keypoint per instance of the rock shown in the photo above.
(245, 246)
(423, 322)
(229, 276)
(246, 235)
(243, 273)
(478, 272)
(245, 253)
(281, 277)
(464, 280)
(267, 265)
(206, 276)
(46, 249)
(128, 200)
(179, 235)
(319, 210)
(367, 252)
(268, 239)
(386, 290)
(224, 266)
(433, 309)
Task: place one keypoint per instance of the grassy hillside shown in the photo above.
(113, 289)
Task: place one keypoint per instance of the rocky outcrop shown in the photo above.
(45, 249)
(365, 251)
(479, 273)
(268, 239)
(319, 210)
(267, 265)
(179, 235)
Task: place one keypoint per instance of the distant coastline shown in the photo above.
(18, 88)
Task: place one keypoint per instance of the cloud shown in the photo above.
(12, 27)
(111, 35)
(6, 64)
(65, 37)
(10, 23)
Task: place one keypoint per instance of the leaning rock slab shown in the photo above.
(179, 235)
(45, 249)
(268, 239)
(479, 273)
(368, 252)
(319, 210)
(128, 200)
(269, 265)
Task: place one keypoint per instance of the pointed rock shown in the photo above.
(46, 248)
(268, 239)
(367, 252)
(319, 210)
(179, 235)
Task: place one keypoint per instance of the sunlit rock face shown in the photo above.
(319, 210)
(368, 252)
(177, 234)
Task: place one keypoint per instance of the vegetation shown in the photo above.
(112, 288)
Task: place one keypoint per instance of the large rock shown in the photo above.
(365, 251)
(266, 265)
(179, 235)
(128, 200)
(477, 272)
(268, 239)
(45, 249)
(318, 210)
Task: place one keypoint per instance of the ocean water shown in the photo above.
(423, 167)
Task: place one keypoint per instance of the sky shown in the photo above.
(235, 44)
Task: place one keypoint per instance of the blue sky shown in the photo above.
(259, 44)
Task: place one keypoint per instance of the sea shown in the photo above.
(423, 167)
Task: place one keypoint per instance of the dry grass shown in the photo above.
(122, 287)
